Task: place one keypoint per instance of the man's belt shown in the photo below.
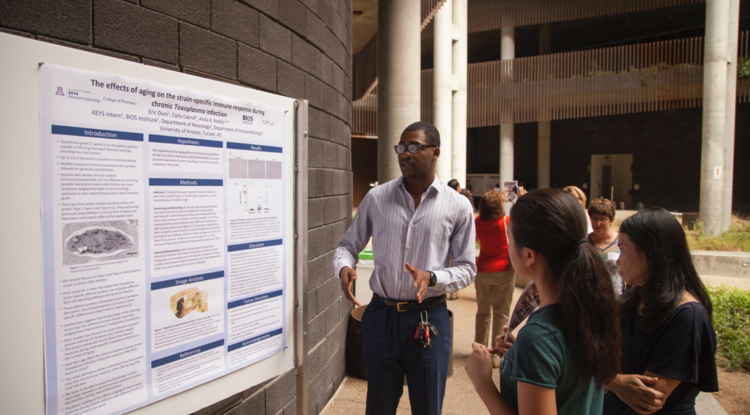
(410, 305)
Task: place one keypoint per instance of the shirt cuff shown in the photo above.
(338, 269)
(442, 280)
(342, 258)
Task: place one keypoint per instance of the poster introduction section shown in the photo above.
(164, 238)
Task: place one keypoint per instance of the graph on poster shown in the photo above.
(254, 195)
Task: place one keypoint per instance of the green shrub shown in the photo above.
(736, 239)
(743, 68)
(731, 319)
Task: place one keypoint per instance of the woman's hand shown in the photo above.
(634, 391)
(504, 196)
(501, 345)
(479, 367)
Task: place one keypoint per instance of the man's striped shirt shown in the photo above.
(440, 228)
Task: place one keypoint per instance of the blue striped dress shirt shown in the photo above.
(441, 227)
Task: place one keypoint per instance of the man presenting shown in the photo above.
(417, 225)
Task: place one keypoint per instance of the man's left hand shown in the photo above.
(421, 281)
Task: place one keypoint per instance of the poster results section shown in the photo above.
(255, 191)
(137, 182)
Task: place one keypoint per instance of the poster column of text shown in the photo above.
(98, 214)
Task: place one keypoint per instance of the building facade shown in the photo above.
(300, 49)
(600, 95)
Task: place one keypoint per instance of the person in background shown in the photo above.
(578, 193)
(602, 214)
(453, 184)
(469, 186)
(468, 195)
(570, 347)
(495, 279)
(668, 341)
(417, 225)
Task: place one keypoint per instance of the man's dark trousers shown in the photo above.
(391, 351)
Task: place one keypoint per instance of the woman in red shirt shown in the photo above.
(495, 279)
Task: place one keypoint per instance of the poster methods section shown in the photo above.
(163, 238)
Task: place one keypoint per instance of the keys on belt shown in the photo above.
(425, 330)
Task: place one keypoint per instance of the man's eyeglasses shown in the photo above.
(412, 147)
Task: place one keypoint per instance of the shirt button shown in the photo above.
(408, 247)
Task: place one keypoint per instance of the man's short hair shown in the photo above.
(453, 184)
(432, 135)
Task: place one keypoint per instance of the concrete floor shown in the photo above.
(460, 397)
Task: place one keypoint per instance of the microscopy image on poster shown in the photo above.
(99, 241)
(186, 309)
(163, 216)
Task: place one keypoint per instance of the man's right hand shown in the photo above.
(347, 276)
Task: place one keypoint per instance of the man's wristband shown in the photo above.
(433, 279)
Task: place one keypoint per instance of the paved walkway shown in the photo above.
(460, 397)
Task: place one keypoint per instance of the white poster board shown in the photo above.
(166, 239)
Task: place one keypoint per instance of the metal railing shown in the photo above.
(609, 81)
(493, 14)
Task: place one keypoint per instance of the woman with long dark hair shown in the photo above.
(668, 341)
(570, 347)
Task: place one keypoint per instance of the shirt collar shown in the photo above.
(437, 184)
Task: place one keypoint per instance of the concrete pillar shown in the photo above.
(714, 115)
(399, 66)
(460, 62)
(442, 91)
(733, 37)
(507, 51)
(544, 128)
(544, 145)
(506, 152)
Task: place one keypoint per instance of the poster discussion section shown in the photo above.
(164, 238)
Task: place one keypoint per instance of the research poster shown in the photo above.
(163, 238)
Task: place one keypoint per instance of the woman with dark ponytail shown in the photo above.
(668, 341)
(569, 348)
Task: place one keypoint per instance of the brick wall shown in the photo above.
(666, 148)
(296, 48)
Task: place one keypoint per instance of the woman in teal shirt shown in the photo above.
(570, 347)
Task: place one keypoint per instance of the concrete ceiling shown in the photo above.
(364, 25)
